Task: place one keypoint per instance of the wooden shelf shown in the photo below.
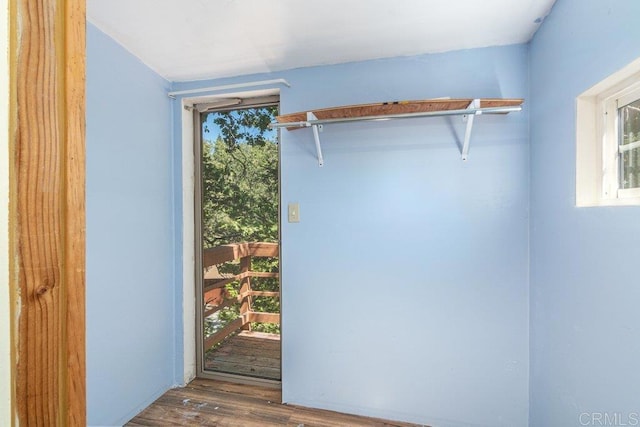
(394, 108)
(467, 107)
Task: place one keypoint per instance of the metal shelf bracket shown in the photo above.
(474, 105)
(316, 136)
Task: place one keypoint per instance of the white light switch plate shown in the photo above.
(294, 212)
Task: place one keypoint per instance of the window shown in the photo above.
(608, 141)
(621, 139)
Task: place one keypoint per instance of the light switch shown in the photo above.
(294, 212)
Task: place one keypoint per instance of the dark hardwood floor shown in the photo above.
(217, 403)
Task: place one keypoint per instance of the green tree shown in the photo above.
(240, 193)
(240, 178)
(249, 126)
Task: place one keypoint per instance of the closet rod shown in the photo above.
(465, 112)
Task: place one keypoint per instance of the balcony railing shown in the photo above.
(225, 291)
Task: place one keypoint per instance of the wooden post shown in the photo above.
(47, 213)
(245, 287)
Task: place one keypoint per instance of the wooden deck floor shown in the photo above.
(216, 403)
(254, 354)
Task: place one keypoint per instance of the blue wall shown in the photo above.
(405, 285)
(585, 339)
(130, 327)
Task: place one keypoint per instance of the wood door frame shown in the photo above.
(47, 211)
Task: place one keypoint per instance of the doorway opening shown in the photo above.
(237, 234)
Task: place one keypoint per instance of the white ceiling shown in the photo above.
(199, 39)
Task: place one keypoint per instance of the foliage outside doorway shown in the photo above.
(239, 203)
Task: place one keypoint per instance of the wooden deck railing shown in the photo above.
(216, 293)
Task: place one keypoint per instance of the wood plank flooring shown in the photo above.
(217, 403)
(254, 354)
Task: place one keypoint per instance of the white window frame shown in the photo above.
(597, 143)
(631, 94)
